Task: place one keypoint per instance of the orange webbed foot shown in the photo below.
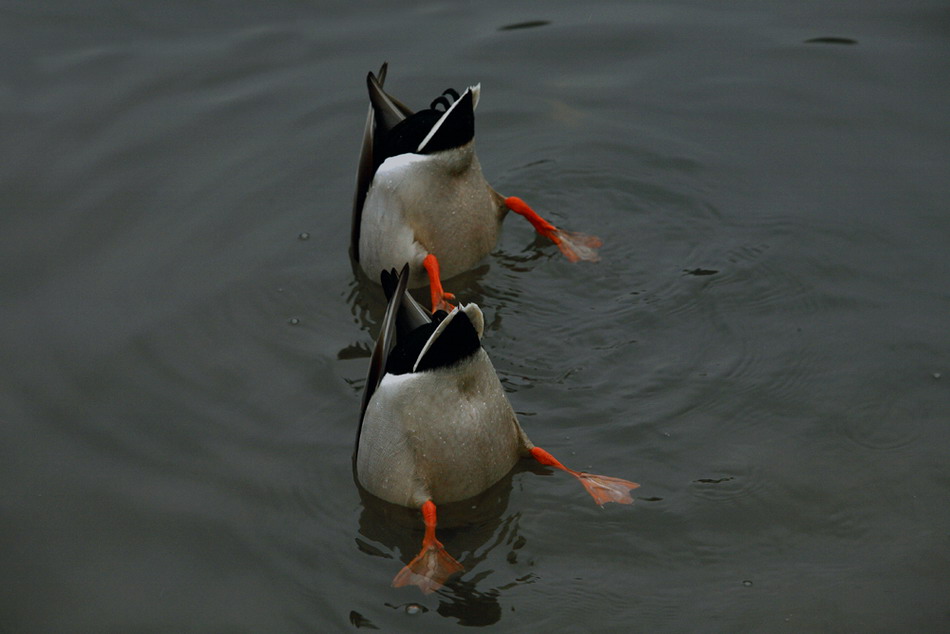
(442, 302)
(575, 246)
(429, 570)
(602, 488)
(607, 489)
(433, 566)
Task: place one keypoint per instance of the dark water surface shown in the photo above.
(765, 345)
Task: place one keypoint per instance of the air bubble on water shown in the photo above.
(413, 608)
(293, 321)
(747, 583)
(304, 236)
(937, 375)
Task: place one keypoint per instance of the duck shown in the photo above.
(421, 196)
(435, 425)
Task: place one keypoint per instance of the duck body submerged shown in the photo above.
(436, 426)
(436, 423)
(421, 196)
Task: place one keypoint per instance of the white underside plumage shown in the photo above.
(445, 434)
(419, 204)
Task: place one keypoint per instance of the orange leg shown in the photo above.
(432, 567)
(602, 488)
(440, 299)
(574, 246)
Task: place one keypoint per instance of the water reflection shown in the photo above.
(471, 530)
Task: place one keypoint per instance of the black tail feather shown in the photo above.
(389, 280)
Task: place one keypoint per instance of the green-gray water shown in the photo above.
(764, 346)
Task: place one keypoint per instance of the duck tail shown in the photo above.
(389, 281)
